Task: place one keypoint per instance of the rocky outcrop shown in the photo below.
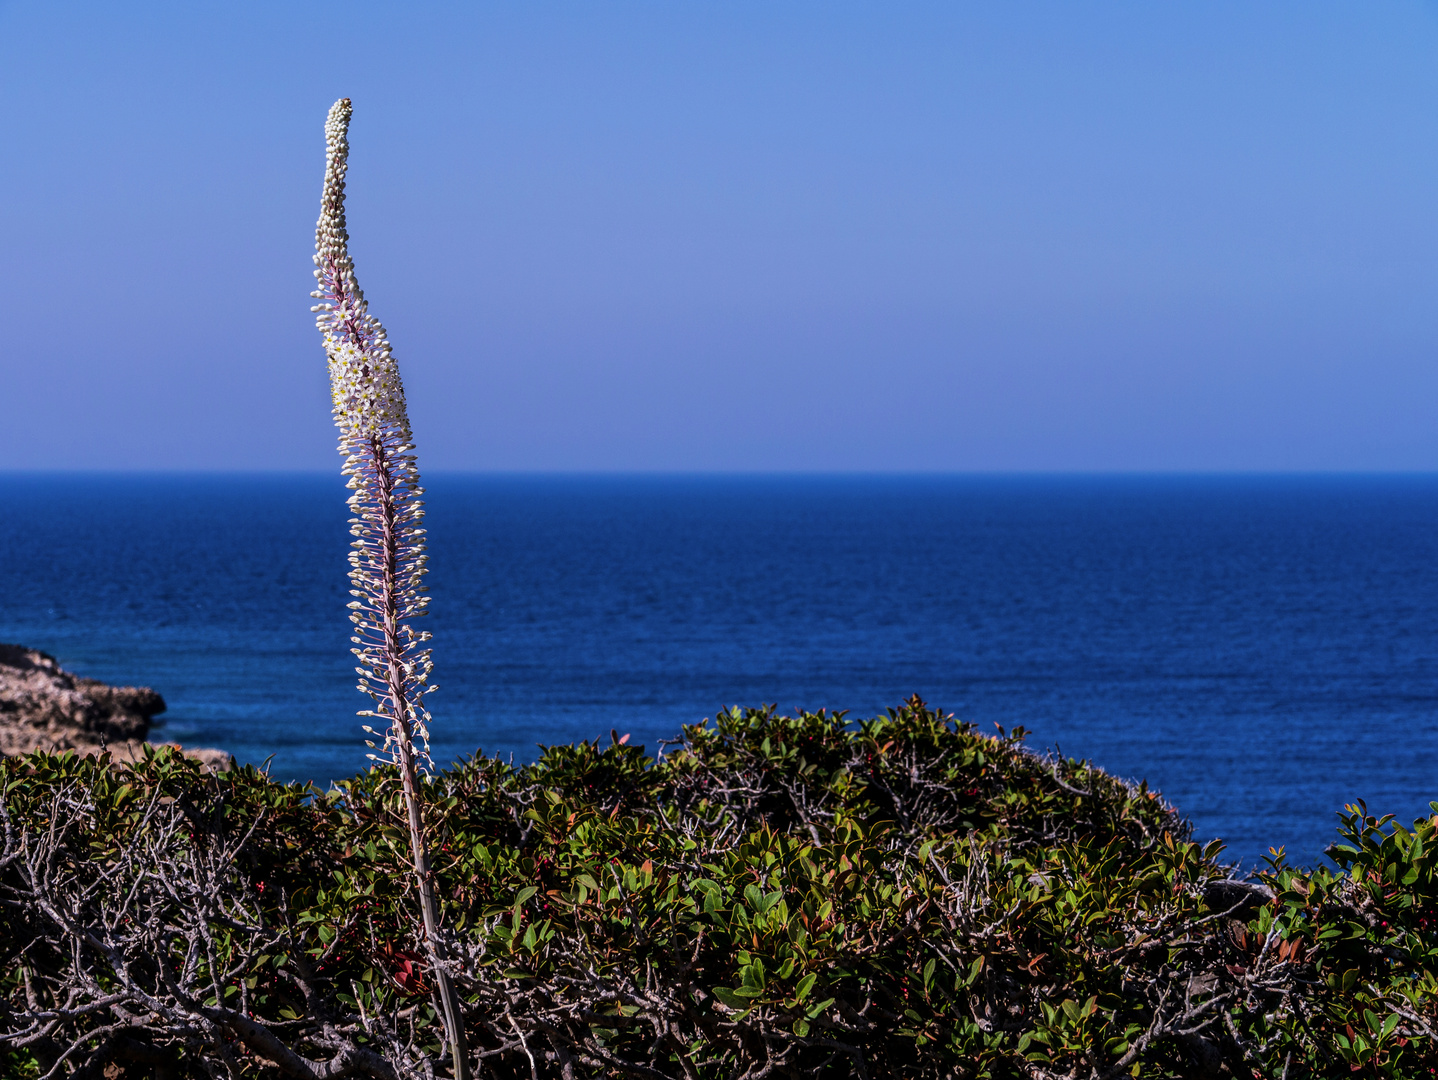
(1241, 898)
(45, 707)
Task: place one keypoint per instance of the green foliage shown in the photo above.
(1368, 934)
(898, 897)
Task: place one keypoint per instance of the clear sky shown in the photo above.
(731, 236)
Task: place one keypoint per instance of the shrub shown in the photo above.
(775, 896)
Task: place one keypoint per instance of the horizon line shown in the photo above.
(659, 474)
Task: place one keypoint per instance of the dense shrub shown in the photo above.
(785, 896)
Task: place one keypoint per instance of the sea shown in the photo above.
(1261, 649)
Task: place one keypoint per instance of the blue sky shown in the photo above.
(737, 236)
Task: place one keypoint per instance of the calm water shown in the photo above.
(1261, 650)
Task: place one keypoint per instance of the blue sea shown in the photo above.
(1260, 649)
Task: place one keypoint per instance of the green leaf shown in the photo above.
(805, 985)
(753, 974)
(735, 999)
(815, 1010)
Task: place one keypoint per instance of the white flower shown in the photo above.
(387, 560)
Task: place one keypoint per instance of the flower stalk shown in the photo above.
(387, 557)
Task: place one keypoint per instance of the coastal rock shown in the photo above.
(45, 707)
(1239, 897)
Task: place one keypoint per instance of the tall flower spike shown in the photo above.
(387, 559)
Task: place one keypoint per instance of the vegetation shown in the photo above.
(775, 896)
